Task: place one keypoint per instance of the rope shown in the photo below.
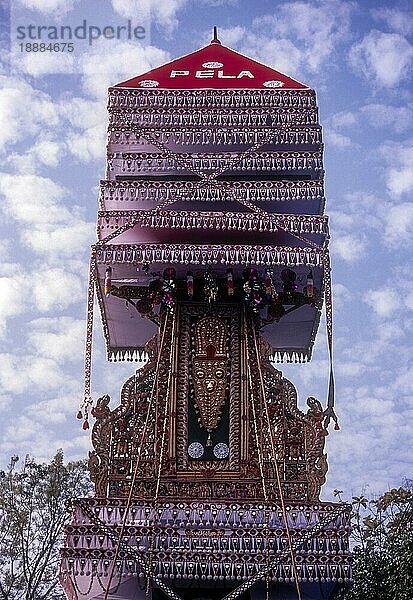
(162, 450)
(137, 464)
(277, 470)
(259, 453)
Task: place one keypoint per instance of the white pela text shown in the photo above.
(208, 74)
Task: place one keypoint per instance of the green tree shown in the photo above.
(33, 511)
(383, 552)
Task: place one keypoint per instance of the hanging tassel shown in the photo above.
(108, 281)
(168, 288)
(190, 285)
(309, 288)
(268, 285)
(230, 282)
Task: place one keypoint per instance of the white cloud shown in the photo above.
(42, 438)
(13, 297)
(398, 118)
(62, 242)
(384, 302)
(341, 295)
(38, 64)
(33, 199)
(398, 20)
(162, 12)
(348, 247)
(49, 226)
(62, 338)
(25, 112)
(54, 128)
(56, 289)
(339, 140)
(104, 66)
(18, 376)
(300, 38)
(45, 153)
(383, 58)
(89, 144)
(60, 7)
(399, 225)
(399, 173)
(344, 119)
(86, 138)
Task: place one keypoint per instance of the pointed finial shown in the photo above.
(215, 39)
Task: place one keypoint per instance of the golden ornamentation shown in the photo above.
(210, 371)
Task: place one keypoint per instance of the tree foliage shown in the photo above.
(383, 552)
(33, 511)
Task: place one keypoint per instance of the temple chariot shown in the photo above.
(211, 266)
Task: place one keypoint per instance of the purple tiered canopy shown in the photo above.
(214, 163)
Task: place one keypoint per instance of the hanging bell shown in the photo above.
(85, 425)
(79, 415)
(190, 285)
(268, 285)
(108, 281)
(230, 282)
(309, 288)
(336, 426)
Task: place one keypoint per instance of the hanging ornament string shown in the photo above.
(87, 398)
(329, 412)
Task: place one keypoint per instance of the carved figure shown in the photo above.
(209, 371)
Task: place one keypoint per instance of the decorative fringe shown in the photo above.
(227, 117)
(155, 191)
(214, 220)
(222, 99)
(291, 356)
(133, 162)
(209, 254)
(127, 354)
(119, 136)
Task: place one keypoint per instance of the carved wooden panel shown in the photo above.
(120, 436)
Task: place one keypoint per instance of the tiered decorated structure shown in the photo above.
(212, 262)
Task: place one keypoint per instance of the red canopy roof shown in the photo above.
(214, 66)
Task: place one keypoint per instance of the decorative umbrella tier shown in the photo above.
(307, 164)
(275, 196)
(207, 99)
(195, 139)
(210, 117)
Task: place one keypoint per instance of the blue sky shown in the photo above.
(358, 56)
